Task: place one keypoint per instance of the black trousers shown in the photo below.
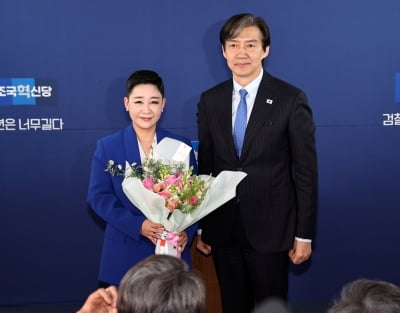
(247, 277)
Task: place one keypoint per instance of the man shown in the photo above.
(273, 216)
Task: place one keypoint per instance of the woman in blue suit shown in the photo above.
(129, 236)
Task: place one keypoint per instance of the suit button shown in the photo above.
(239, 169)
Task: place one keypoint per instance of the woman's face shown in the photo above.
(145, 104)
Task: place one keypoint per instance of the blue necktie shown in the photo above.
(239, 127)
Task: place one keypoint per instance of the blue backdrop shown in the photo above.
(344, 54)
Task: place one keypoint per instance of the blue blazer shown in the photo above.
(123, 245)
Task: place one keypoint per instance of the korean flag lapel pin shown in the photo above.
(269, 101)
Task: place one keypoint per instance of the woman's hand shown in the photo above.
(183, 240)
(151, 230)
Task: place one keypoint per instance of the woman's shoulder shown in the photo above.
(115, 137)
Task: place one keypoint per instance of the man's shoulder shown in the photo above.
(279, 83)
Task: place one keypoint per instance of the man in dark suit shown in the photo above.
(272, 220)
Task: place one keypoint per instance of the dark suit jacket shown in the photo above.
(278, 198)
(123, 245)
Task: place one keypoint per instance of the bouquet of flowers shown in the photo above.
(165, 189)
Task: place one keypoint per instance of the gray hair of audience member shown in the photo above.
(161, 283)
(272, 305)
(368, 296)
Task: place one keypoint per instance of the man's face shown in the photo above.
(244, 54)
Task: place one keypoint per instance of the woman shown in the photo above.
(129, 236)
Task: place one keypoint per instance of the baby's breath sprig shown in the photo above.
(118, 170)
(114, 169)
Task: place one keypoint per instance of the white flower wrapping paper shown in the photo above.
(220, 190)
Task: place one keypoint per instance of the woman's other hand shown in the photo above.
(151, 230)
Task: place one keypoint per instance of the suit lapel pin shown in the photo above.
(269, 101)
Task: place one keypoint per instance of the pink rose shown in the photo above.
(148, 183)
(165, 193)
(158, 187)
(193, 200)
(172, 204)
(173, 180)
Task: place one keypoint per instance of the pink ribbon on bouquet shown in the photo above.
(172, 239)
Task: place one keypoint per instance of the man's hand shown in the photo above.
(202, 246)
(300, 252)
(101, 301)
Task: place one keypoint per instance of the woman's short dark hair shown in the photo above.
(161, 283)
(144, 77)
(234, 26)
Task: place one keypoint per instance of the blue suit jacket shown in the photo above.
(123, 245)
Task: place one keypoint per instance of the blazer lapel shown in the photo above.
(131, 145)
(266, 99)
(160, 134)
(224, 108)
